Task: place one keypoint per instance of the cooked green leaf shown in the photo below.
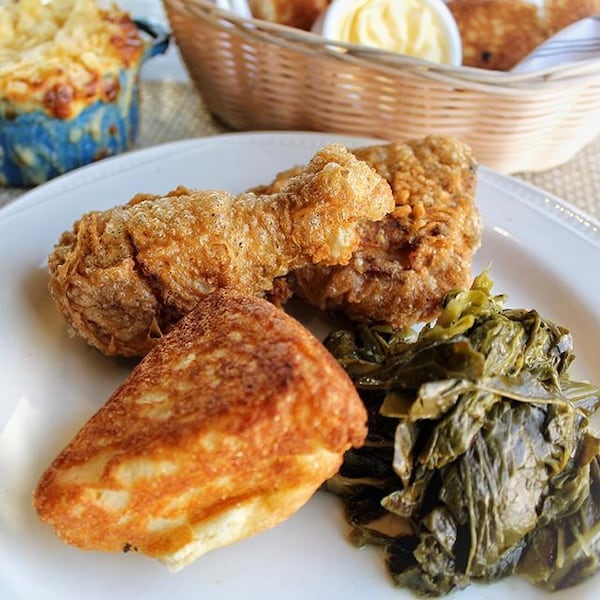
(480, 440)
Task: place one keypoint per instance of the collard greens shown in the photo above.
(479, 461)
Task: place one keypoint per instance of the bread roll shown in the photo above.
(498, 34)
(562, 13)
(294, 13)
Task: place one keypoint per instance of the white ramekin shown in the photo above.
(327, 24)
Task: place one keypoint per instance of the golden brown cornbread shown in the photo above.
(223, 430)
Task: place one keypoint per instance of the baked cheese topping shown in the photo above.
(61, 55)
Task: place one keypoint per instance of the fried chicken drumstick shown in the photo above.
(406, 262)
(125, 276)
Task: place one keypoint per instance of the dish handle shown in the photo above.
(160, 38)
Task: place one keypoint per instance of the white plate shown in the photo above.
(542, 251)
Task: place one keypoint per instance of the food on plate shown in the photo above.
(125, 276)
(300, 14)
(497, 34)
(407, 262)
(223, 430)
(68, 86)
(479, 461)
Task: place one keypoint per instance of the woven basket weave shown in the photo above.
(257, 75)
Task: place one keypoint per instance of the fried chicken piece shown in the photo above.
(407, 262)
(124, 276)
(223, 430)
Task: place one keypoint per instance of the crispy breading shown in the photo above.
(406, 262)
(497, 34)
(124, 276)
(223, 430)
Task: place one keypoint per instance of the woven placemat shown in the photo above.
(173, 111)
(577, 181)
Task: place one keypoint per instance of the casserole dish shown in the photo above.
(68, 85)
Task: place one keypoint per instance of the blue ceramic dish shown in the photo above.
(35, 147)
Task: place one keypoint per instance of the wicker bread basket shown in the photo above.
(257, 75)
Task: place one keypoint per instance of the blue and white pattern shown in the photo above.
(36, 147)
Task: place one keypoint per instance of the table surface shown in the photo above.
(172, 109)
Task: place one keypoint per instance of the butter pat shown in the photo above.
(420, 28)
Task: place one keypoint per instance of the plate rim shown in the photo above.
(550, 205)
(526, 195)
